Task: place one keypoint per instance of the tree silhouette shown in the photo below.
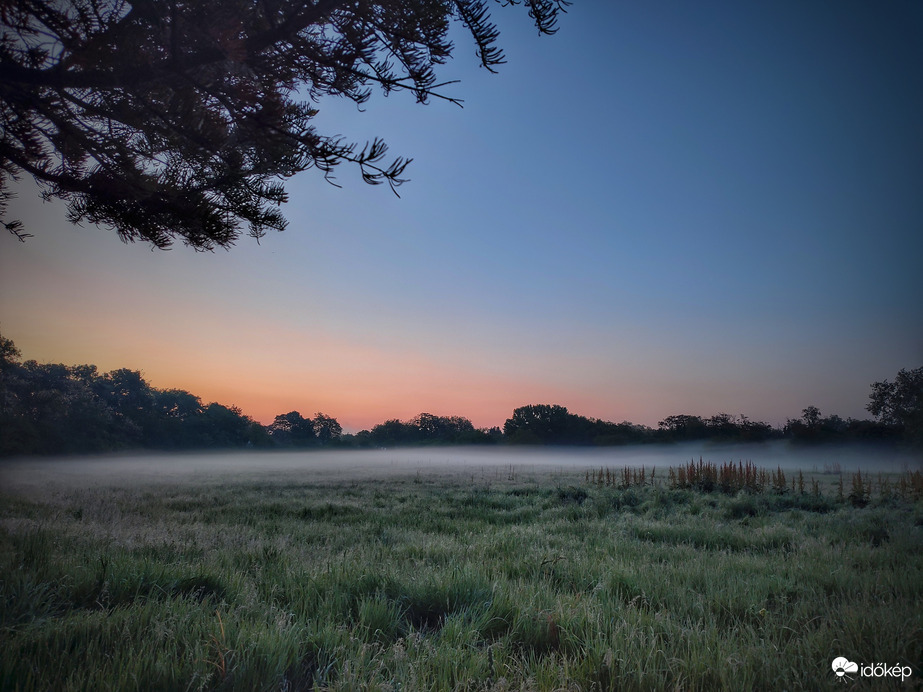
(811, 416)
(540, 424)
(900, 403)
(326, 428)
(172, 120)
(292, 430)
(427, 428)
(683, 427)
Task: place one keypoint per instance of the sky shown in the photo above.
(665, 208)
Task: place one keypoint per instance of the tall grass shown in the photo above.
(502, 582)
(731, 478)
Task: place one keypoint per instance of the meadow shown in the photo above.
(497, 578)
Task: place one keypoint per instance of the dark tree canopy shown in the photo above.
(683, 427)
(166, 120)
(900, 402)
(60, 409)
(428, 428)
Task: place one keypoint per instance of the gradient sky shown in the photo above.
(665, 208)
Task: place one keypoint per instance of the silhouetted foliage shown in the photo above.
(722, 427)
(164, 119)
(60, 409)
(326, 429)
(754, 430)
(814, 428)
(425, 429)
(391, 433)
(900, 403)
(683, 427)
(554, 424)
(809, 428)
(54, 409)
(227, 426)
(871, 431)
(811, 416)
(176, 420)
(292, 430)
(540, 424)
(605, 433)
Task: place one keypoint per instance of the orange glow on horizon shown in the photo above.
(359, 385)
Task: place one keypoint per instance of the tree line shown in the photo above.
(61, 409)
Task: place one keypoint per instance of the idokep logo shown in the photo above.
(842, 666)
(845, 669)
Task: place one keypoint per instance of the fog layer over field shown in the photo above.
(36, 474)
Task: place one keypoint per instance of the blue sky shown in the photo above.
(668, 208)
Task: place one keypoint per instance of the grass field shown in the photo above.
(491, 579)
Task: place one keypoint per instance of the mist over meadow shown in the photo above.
(147, 468)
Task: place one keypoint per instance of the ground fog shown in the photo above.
(37, 474)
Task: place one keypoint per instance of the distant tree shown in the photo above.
(492, 435)
(554, 424)
(9, 355)
(292, 430)
(53, 408)
(165, 119)
(431, 428)
(812, 427)
(900, 403)
(257, 435)
(722, 426)
(363, 438)
(811, 416)
(128, 394)
(683, 427)
(16, 435)
(872, 431)
(755, 431)
(428, 427)
(541, 424)
(605, 433)
(177, 404)
(326, 429)
(226, 426)
(392, 433)
(58, 409)
(424, 429)
(833, 423)
(176, 420)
